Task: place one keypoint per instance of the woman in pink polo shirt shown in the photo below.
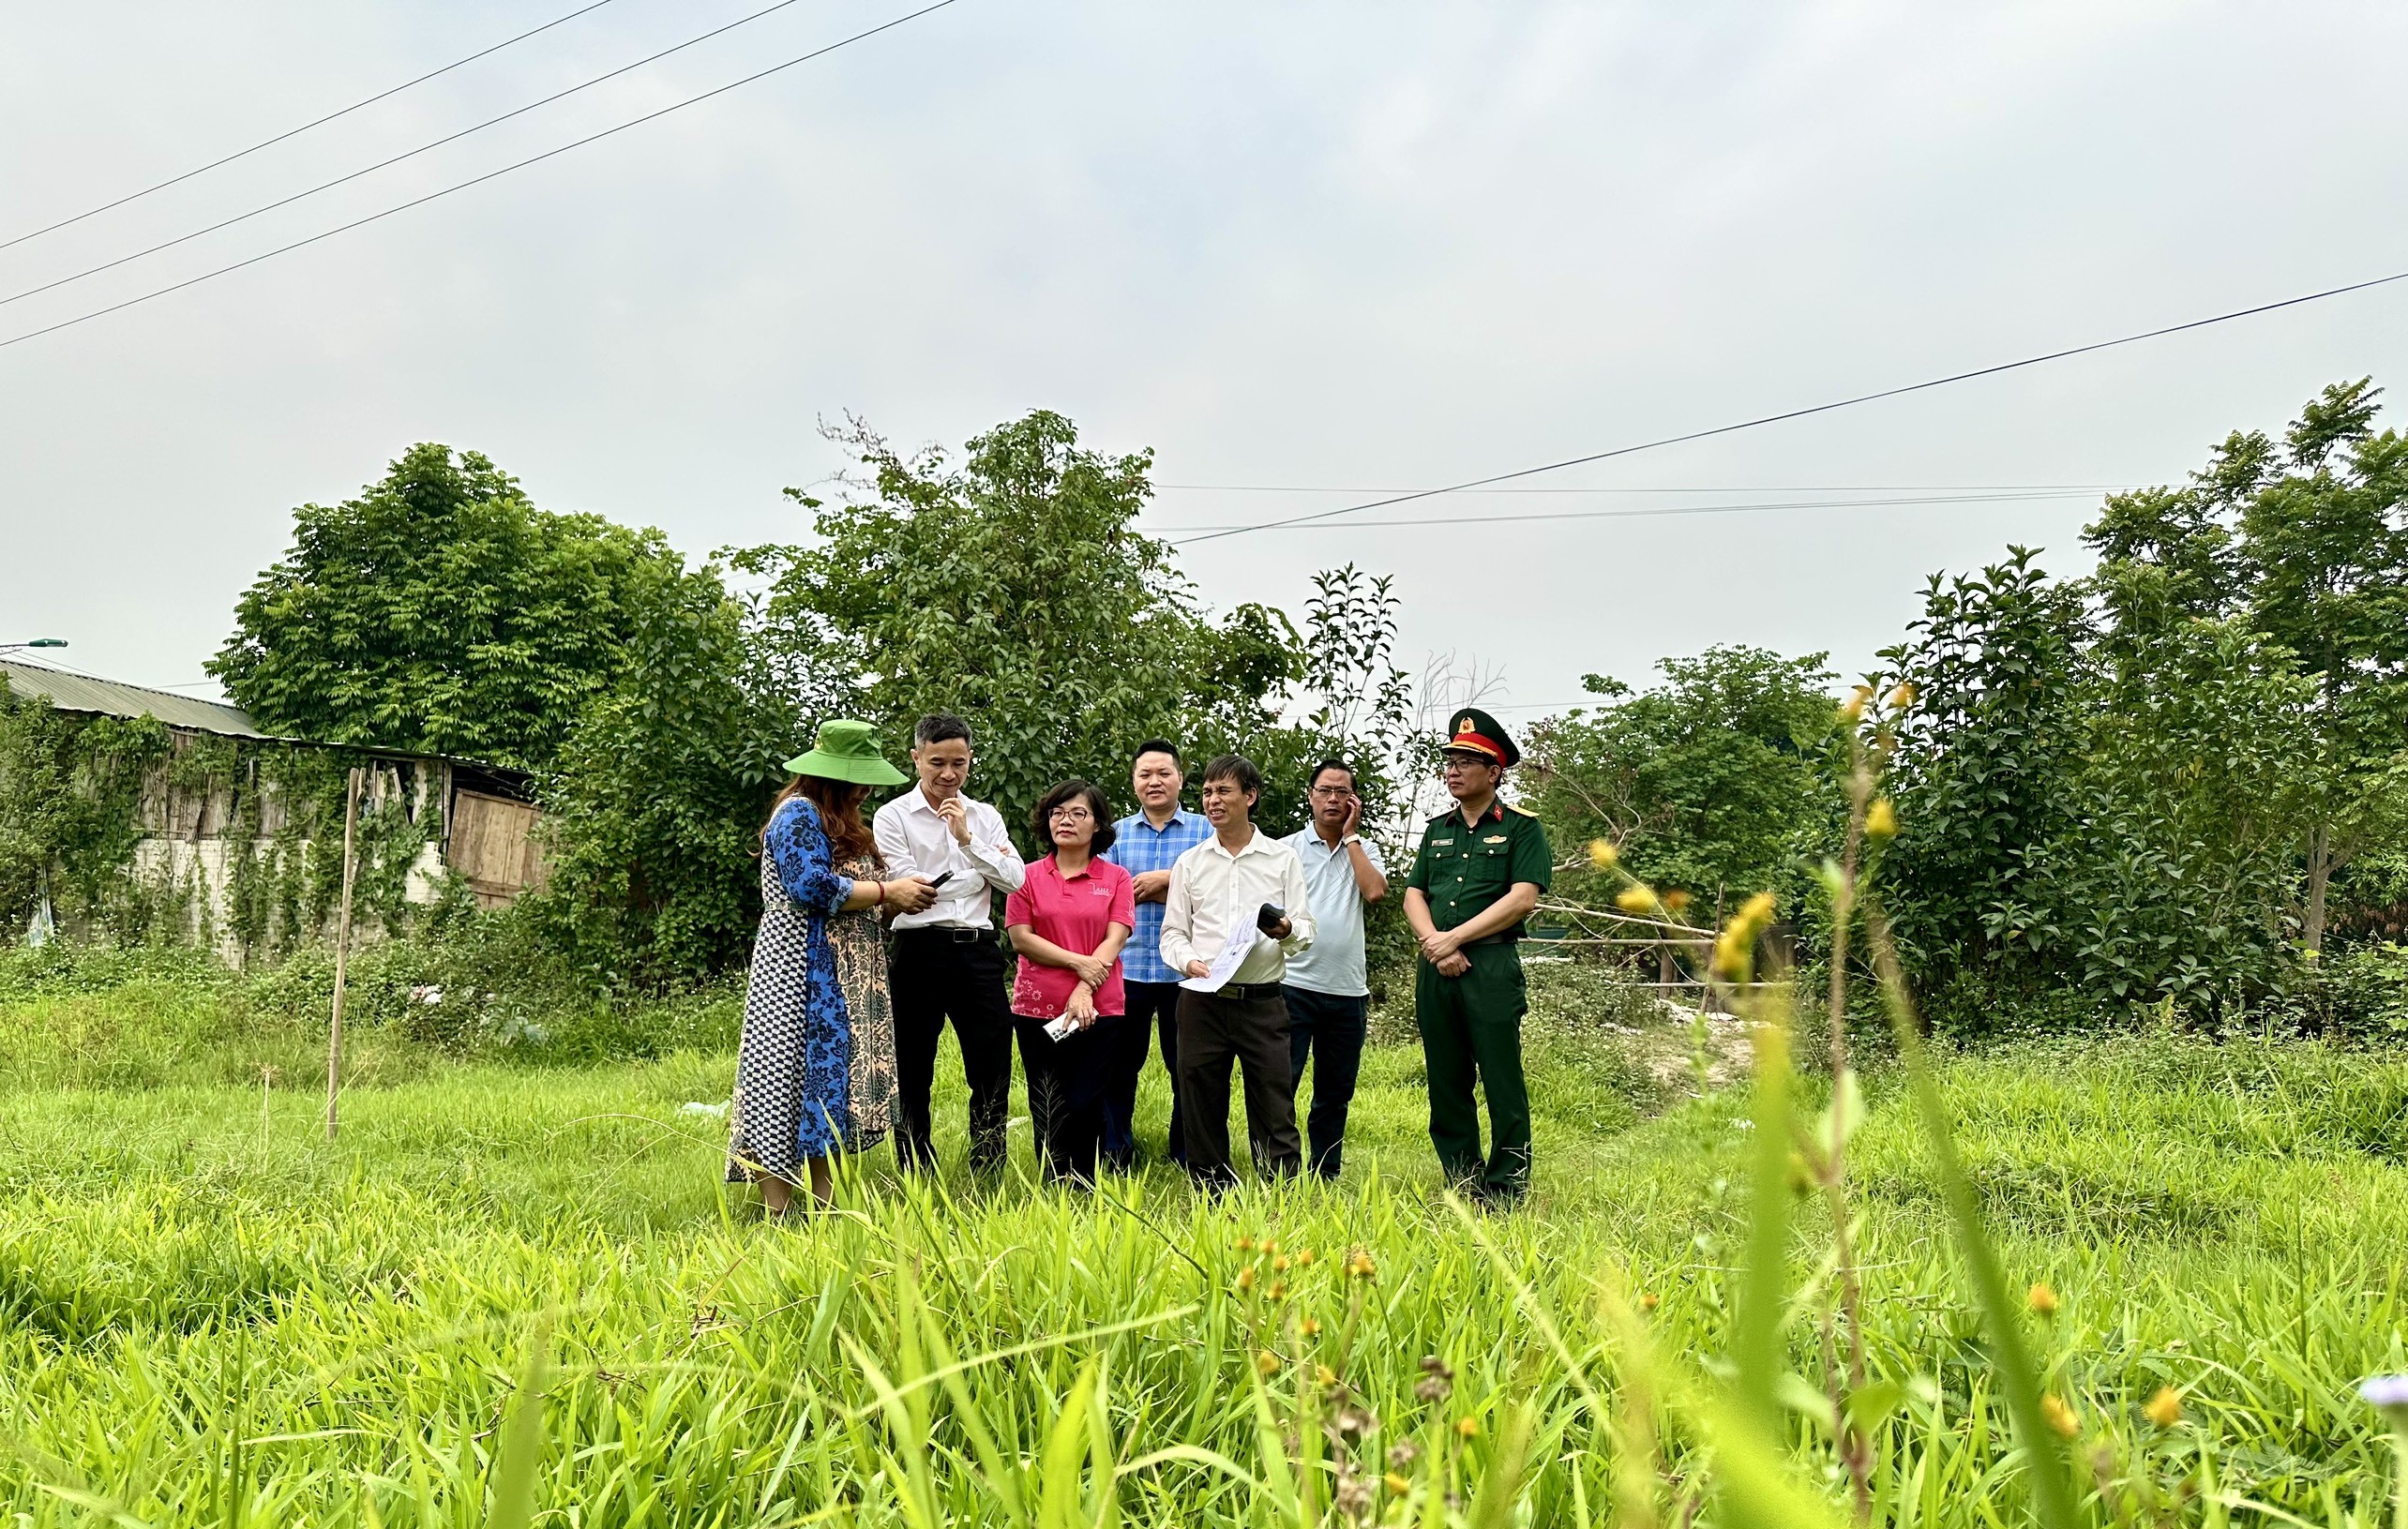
(1069, 921)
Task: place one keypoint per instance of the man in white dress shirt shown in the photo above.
(945, 963)
(1218, 890)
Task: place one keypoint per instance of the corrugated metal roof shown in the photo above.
(78, 693)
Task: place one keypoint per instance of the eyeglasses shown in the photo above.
(1073, 815)
(1454, 763)
(1332, 792)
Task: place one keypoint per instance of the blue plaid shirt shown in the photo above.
(1138, 846)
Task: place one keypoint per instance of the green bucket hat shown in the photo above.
(845, 751)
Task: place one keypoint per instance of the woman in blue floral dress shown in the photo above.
(815, 1070)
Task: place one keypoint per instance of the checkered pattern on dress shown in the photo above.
(1139, 847)
(792, 1094)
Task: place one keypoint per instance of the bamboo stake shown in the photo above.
(342, 947)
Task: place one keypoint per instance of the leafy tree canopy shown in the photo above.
(440, 612)
(1704, 782)
(1013, 589)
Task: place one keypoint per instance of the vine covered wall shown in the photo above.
(135, 832)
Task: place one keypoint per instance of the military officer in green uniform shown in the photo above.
(1482, 866)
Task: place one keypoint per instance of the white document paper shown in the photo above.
(1225, 964)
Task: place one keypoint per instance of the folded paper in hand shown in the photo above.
(1225, 965)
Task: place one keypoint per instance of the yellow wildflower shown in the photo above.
(2165, 1408)
(1858, 698)
(1902, 697)
(1881, 819)
(2059, 1416)
(1266, 1362)
(1280, 1263)
(1310, 1327)
(2041, 1299)
(1303, 1256)
(1467, 1427)
(1245, 1279)
(1649, 1301)
(1602, 855)
(1397, 1484)
(1675, 899)
(1278, 1288)
(1360, 1267)
(1325, 1375)
(1635, 900)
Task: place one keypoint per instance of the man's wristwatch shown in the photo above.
(1351, 838)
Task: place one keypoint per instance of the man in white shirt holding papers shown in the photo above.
(945, 961)
(1236, 909)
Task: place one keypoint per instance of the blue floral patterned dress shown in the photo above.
(795, 1064)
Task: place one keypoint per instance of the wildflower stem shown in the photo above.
(2051, 1488)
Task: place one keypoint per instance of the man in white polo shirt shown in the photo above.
(1328, 988)
(1219, 892)
(945, 963)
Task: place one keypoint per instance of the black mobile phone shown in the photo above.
(1268, 919)
(940, 880)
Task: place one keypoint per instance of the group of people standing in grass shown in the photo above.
(1233, 947)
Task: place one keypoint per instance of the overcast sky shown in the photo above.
(1306, 246)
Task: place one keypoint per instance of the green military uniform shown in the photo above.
(1471, 1024)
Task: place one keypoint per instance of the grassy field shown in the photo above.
(208, 1316)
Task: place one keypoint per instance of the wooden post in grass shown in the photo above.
(342, 948)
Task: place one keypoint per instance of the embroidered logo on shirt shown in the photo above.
(1442, 841)
(1494, 838)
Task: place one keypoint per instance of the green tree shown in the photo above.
(1014, 589)
(2005, 684)
(440, 611)
(2305, 542)
(655, 806)
(1711, 782)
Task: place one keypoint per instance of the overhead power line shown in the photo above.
(1669, 509)
(475, 180)
(1758, 488)
(407, 154)
(294, 132)
(1798, 413)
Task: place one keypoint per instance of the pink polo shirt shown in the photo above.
(1073, 913)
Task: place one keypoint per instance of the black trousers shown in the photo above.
(1249, 1027)
(935, 976)
(1070, 1081)
(1152, 1005)
(1328, 1027)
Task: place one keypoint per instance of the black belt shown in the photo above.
(951, 933)
(1248, 992)
(1506, 937)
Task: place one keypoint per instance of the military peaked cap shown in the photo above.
(1475, 732)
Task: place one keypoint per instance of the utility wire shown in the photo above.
(409, 153)
(477, 180)
(293, 132)
(1758, 488)
(1800, 414)
(1669, 509)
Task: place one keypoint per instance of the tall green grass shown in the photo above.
(515, 1293)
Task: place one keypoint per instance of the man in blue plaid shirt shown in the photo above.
(1146, 843)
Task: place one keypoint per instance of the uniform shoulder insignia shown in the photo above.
(1523, 811)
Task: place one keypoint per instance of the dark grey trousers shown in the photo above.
(1248, 1027)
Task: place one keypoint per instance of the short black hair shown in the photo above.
(937, 726)
(1041, 821)
(1236, 766)
(1156, 745)
(1329, 764)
